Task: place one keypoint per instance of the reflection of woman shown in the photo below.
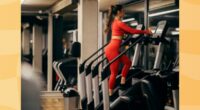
(118, 29)
(65, 48)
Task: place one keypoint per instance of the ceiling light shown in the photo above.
(175, 33)
(57, 15)
(134, 24)
(22, 1)
(25, 25)
(128, 20)
(163, 12)
(39, 17)
(40, 11)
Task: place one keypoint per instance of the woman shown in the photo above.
(118, 29)
(65, 47)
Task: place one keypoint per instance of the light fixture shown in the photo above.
(39, 17)
(163, 12)
(128, 20)
(25, 25)
(22, 1)
(134, 24)
(56, 15)
(175, 33)
(40, 11)
(70, 31)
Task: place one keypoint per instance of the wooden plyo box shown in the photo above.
(52, 100)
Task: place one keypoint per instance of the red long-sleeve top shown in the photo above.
(119, 29)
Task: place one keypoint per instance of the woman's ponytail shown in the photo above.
(111, 14)
(110, 19)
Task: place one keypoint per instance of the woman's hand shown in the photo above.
(149, 32)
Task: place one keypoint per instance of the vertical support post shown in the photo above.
(50, 52)
(146, 23)
(87, 35)
(100, 35)
(37, 48)
(105, 36)
(146, 13)
(26, 41)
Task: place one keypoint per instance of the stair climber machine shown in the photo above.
(150, 92)
(171, 76)
(66, 69)
(95, 72)
(98, 105)
(65, 96)
(82, 75)
(136, 94)
(89, 78)
(61, 83)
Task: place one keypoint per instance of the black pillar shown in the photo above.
(57, 42)
(57, 37)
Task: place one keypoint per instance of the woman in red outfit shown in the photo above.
(118, 29)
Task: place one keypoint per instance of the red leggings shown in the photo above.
(112, 51)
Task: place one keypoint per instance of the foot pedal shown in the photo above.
(120, 92)
(122, 88)
(111, 98)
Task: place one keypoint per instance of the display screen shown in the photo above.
(159, 30)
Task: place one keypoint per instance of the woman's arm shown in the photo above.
(128, 29)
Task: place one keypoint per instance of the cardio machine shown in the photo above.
(66, 69)
(119, 102)
(89, 79)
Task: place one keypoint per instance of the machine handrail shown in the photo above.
(82, 65)
(95, 68)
